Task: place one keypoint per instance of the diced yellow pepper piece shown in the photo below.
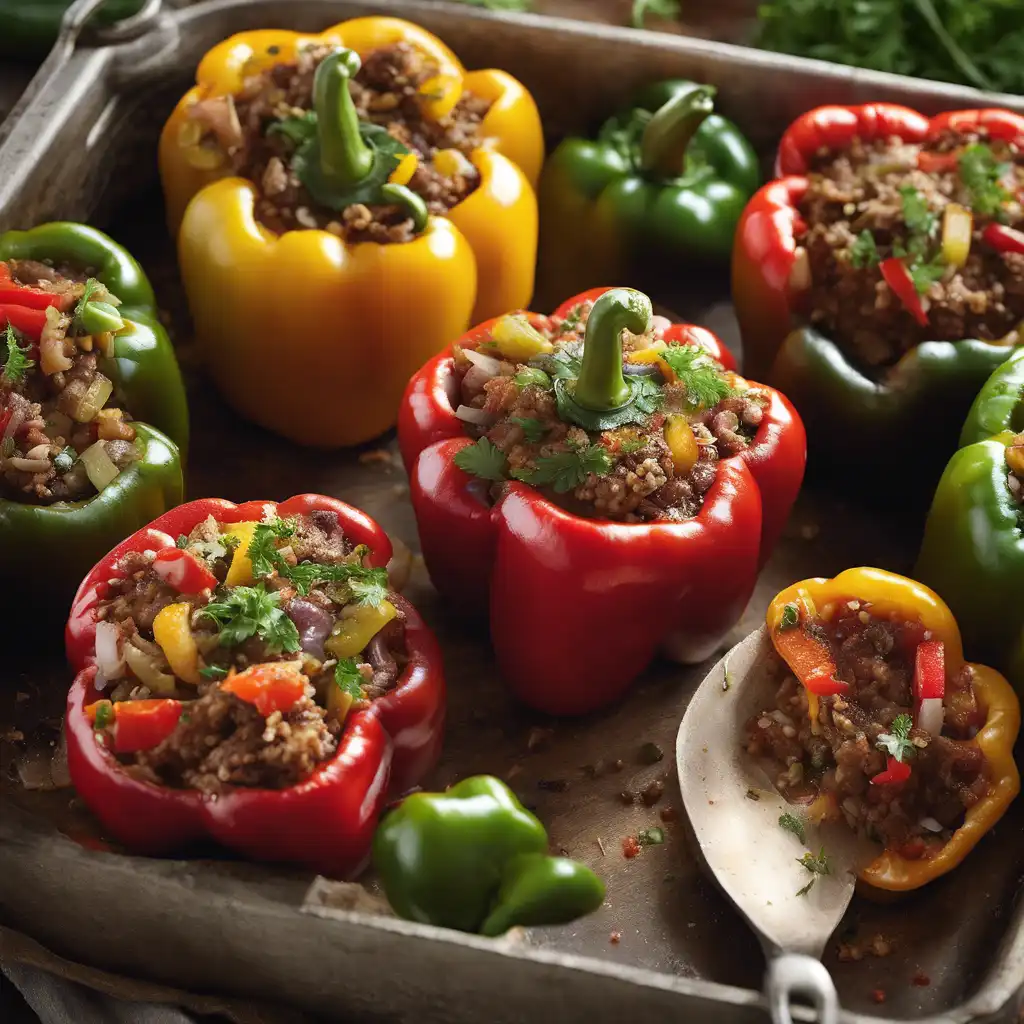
(172, 630)
(240, 572)
(654, 355)
(358, 625)
(452, 163)
(516, 339)
(682, 443)
(439, 95)
(403, 173)
(957, 228)
(339, 702)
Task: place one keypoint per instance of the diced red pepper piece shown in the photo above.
(823, 682)
(895, 773)
(1004, 239)
(29, 322)
(143, 724)
(930, 670)
(32, 298)
(937, 163)
(898, 278)
(183, 571)
(273, 686)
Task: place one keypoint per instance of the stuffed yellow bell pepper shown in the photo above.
(888, 727)
(345, 204)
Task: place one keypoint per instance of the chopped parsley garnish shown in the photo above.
(482, 459)
(698, 373)
(349, 679)
(817, 864)
(296, 130)
(572, 321)
(17, 364)
(104, 715)
(368, 585)
(533, 429)
(263, 551)
(924, 273)
(565, 471)
(897, 742)
(90, 287)
(648, 396)
(631, 444)
(651, 837)
(790, 616)
(182, 541)
(65, 459)
(791, 823)
(917, 214)
(531, 375)
(864, 251)
(981, 173)
(563, 365)
(252, 611)
(213, 672)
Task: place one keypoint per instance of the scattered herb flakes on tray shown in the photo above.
(971, 42)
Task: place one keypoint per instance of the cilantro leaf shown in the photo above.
(565, 471)
(17, 364)
(572, 320)
(182, 541)
(483, 459)
(699, 374)
(924, 273)
(917, 214)
(631, 444)
(533, 429)
(981, 175)
(252, 611)
(213, 672)
(349, 679)
(648, 395)
(817, 864)
(368, 585)
(659, 8)
(104, 715)
(263, 551)
(296, 129)
(791, 823)
(897, 742)
(564, 363)
(790, 616)
(864, 251)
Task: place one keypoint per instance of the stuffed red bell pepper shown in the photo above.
(246, 675)
(880, 280)
(605, 480)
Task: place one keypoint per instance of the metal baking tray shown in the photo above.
(82, 145)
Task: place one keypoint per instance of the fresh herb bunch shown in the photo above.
(973, 42)
(699, 374)
(252, 611)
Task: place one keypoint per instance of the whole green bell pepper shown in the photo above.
(664, 182)
(973, 549)
(47, 549)
(28, 28)
(474, 859)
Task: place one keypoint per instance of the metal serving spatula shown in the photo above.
(734, 810)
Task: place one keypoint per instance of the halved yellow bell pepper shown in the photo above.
(890, 594)
(315, 338)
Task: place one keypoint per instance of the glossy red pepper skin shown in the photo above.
(1004, 239)
(853, 420)
(183, 571)
(579, 607)
(23, 319)
(326, 822)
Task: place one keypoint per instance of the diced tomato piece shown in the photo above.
(895, 773)
(183, 571)
(144, 724)
(930, 670)
(272, 686)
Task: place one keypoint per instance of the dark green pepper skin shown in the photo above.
(48, 549)
(612, 212)
(28, 28)
(973, 549)
(474, 859)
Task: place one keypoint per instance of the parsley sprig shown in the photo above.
(533, 429)
(482, 459)
(349, 679)
(864, 251)
(253, 611)
(263, 552)
(791, 823)
(699, 374)
(17, 363)
(565, 471)
(982, 176)
(924, 269)
(818, 864)
(369, 586)
(897, 742)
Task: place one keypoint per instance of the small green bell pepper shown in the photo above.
(665, 181)
(973, 549)
(48, 549)
(28, 28)
(474, 859)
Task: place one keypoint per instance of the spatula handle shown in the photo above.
(796, 974)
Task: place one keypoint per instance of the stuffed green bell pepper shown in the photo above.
(664, 182)
(474, 859)
(973, 550)
(28, 28)
(92, 405)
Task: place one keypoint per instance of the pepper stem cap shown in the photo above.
(670, 131)
(345, 158)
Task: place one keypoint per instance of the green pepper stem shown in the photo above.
(413, 204)
(601, 385)
(670, 131)
(345, 159)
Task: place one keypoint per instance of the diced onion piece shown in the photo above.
(147, 671)
(41, 451)
(98, 466)
(52, 358)
(930, 715)
(29, 465)
(488, 364)
(93, 400)
(931, 824)
(957, 229)
(109, 659)
(475, 379)
(476, 416)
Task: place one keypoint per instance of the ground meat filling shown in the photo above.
(1015, 468)
(831, 769)
(56, 404)
(660, 470)
(870, 203)
(313, 609)
(244, 132)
